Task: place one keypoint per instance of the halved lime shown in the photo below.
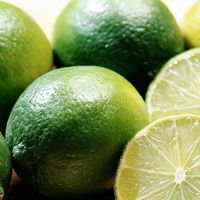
(162, 161)
(176, 89)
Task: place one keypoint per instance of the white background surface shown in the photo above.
(45, 12)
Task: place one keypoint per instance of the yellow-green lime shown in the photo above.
(5, 167)
(25, 54)
(68, 129)
(162, 161)
(132, 37)
(176, 88)
(191, 25)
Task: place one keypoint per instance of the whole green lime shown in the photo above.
(5, 166)
(191, 26)
(68, 129)
(25, 54)
(133, 37)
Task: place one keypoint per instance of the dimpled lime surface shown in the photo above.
(5, 166)
(67, 130)
(132, 37)
(25, 54)
(191, 26)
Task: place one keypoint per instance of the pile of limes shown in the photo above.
(162, 161)
(68, 127)
(132, 37)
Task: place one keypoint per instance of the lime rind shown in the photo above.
(175, 93)
(1, 192)
(180, 181)
(191, 26)
(5, 166)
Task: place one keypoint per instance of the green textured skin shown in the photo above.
(5, 166)
(25, 54)
(67, 130)
(133, 37)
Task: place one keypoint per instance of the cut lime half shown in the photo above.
(162, 161)
(176, 89)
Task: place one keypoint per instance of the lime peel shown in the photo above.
(1, 192)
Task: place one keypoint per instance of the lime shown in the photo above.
(176, 89)
(25, 54)
(162, 161)
(191, 25)
(5, 166)
(131, 37)
(67, 130)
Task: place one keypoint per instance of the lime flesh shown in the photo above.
(176, 89)
(162, 161)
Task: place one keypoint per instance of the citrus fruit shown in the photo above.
(5, 166)
(132, 37)
(176, 90)
(67, 130)
(191, 25)
(25, 54)
(162, 161)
